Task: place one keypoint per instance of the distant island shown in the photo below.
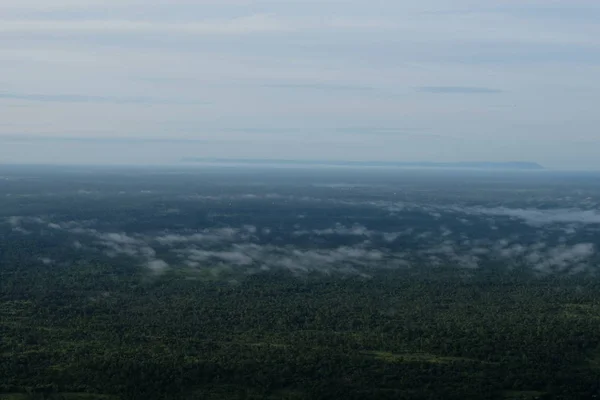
(522, 166)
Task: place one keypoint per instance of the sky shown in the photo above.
(154, 81)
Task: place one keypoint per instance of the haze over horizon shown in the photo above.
(152, 82)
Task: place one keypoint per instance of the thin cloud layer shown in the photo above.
(540, 217)
(234, 26)
(459, 90)
(531, 216)
(79, 99)
(240, 249)
(443, 81)
(265, 258)
(245, 25)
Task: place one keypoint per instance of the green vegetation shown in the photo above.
(118, 335)
(126, 285)
(54, 396)
(418, 357)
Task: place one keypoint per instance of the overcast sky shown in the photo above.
(152, 81)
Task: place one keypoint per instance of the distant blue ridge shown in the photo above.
(464, 165)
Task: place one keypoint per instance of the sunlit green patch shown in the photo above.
(522, 395)
(275, 345)
(594, 359)
(416, 357)
(588, 311)
(203, 273)
(56, 396)
(87, 396)
(15, 308)
(224, 392)
(13, 396)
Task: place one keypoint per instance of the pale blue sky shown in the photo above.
(152, 81)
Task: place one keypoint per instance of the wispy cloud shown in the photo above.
(321, 86)
(459, 90)
(356, 230)
(98, 139)
(538, 217)
(266, 257)
(242, 25)
(241, 248)
(310, 70)
(75, 98)
(249, 24)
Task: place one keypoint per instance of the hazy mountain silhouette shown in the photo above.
(519, 165)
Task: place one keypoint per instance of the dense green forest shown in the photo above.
(184, 284)
(94, 329)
